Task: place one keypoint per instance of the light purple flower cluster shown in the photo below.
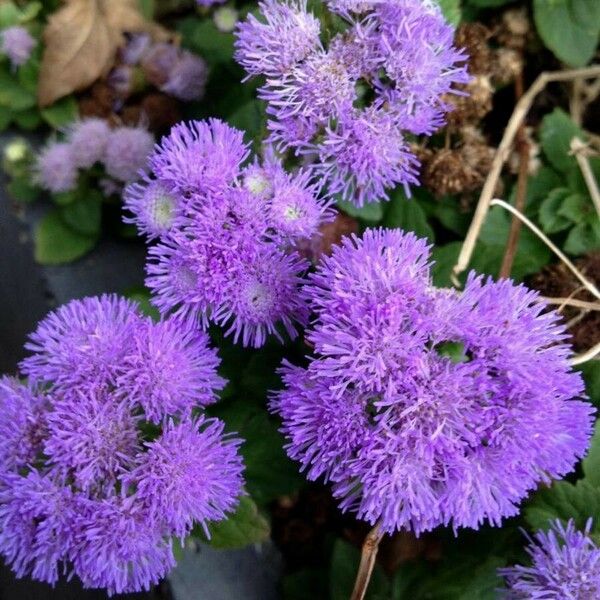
(173, 70)
(122, 151)
(565, 565)
(105, 455)
(226, 232)
(16, 43)
(425, 406)
(351, 105)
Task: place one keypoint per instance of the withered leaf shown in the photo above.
(81, 40)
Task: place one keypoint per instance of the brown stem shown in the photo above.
(521, 194)
(367, 562)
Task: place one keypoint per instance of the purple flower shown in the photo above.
(23, 424)
(116, 549)
(136, 46)
(191, 473)
(363, 155)
(155, 209)
(565, 565)
(82, 342)
(209, 2)
(17, 43)
(88, 139)
(127, 152)
(55, 168)
(171, 369)
(288, 35)
(187, 80)
(199, 156)
(463, 403)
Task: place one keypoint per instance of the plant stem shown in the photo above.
(367, 562)
(579, 149)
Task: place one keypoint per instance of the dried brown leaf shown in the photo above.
(81, 40)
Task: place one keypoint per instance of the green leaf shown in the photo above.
(306, 584)
(591, 376)
(28, 119)
(538, 188)
(451, 10)
(372, 212)
(84, 215)
(563, 501)
(6, 117)
(61, 113)
(455, 351)
(570, 28)
(488, 3)
(246, 526)
(551, 219)
(444, 259)
(9, 14)
(22, 190)
(556, 132)
(147, 9)
(13, 95)
(248, 118)
(449, 213)
(142, 296)
(407, 214)
(591, 463)
(28, 75)
(344, 565)
(203, 37)
(583, 238)
(576, 208)
(56, 243)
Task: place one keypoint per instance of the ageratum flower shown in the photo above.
(288, 35)
(127, 151)
(103, 465)
(426, 407)
(565, 565)
(88, 139)
(55, 168)
(349, 106)
(17, 43)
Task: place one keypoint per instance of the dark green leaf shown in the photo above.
(28, 119)
(488, 3)
(84, 215)
(583, 238)
(591, 463)
(444, 259)
(455, 351)
(21, 190)
(563, 501)
(61, 113)
(142, 296)
(13, 95)
(28, 75)
(551, 219)
(372, 213)
(557, 131)
(248, 118)
(591, 375)
(344, 565)
(246, 526)
(406, 213)
(449, 213)
(56, 243)
(307, 584)
(6, 117)
(576, 208)
(203, 37)
(569, 28)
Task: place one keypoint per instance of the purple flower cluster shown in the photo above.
(16, 43)
(351, 105)
(565, 565)
(123, 151)
(226, 232)
(173, 70)
(105, 455)
(424, 406)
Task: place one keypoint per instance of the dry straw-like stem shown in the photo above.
(367, 562)
(562, 302)
(581, 150)
(592, 353)
(518, 116)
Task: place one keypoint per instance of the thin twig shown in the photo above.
(367, 562)
(588, 284)
(579, 359)
(515, 225)
(520, 111)
(579, 149)
(571, 302)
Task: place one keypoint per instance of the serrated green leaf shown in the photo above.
(570, 28)
(344, 565)
(538, 187)
(84, 215)
(550, 217)
(556, 132)
(56, 243)
(246, 526)
(591, 463)
(61, 113)
(372, 212)
(583, 238)
(563, 501)
(407, 214)
(576, 208)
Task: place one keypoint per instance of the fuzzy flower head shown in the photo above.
(459, 404)
(286, 35)
(105, 457)
(56, 169)
(16, 43)
(565, 565)
(127, 152)
(88, 140)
